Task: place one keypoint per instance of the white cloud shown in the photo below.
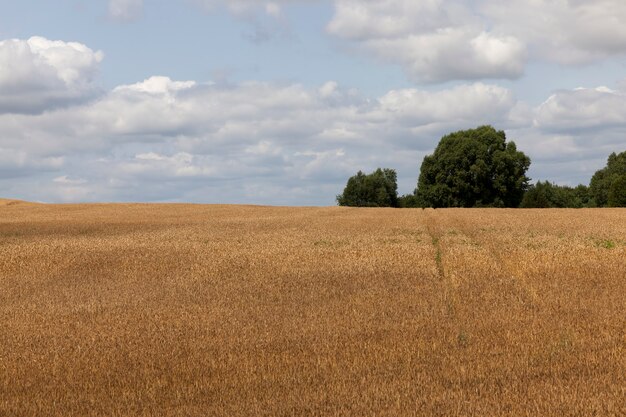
(563, 31)
(474, 102)
(258, 142)
(598, 108)
(156, 85)
(392, 19)
(164, 139)
(125, 10)
(64, 179)
(328, 89)
(39, 74)
(441, 40)
(572, 133)
(434, 40)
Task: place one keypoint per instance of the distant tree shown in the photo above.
(378, 189)
(617, 192)
(409, 201)
(474, 168)
(603, 179)
(538, 196)
(583, 194)
(548, 195)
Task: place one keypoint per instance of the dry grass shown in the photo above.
(183, 310)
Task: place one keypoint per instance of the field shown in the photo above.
(192, 310)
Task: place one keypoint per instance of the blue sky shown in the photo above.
(280, 102)
(186, 42)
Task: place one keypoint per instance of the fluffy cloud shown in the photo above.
(441, 40)
(563, 31)
(258, 142)
(271, 143)
(572, 132)
(463, 103)
(38, 74)
(125, 10)
(164, 139)
(583, 108)
(436, 40)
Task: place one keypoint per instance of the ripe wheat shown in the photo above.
(191, 310)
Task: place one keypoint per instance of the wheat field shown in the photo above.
(195, 310)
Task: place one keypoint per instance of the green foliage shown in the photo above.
(617, 192)
(548, 195)
(583, 195)
(602, 181)
(410, 201)
(474, 168)
(378, 189)
(606, 244)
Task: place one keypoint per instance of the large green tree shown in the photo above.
(602, 181)
(378, 189)
(472, 168)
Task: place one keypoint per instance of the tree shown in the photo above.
(602, 180)
(538, 196)
(474, 168)
(582, 194)
(409, 201)
(617, 192)
(378, 189)
(548, 195)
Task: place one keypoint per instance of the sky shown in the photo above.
(279, 103)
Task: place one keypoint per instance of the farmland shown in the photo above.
(196, 310)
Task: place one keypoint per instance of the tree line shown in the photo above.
(479, 168)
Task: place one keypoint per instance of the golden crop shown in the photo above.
(192, 310)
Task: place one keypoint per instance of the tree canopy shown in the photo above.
(617, 192)
(479, 168)
(602, 181)
(472, 168)
(378, 189)
(548, 195)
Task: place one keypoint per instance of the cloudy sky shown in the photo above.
(249, 101)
